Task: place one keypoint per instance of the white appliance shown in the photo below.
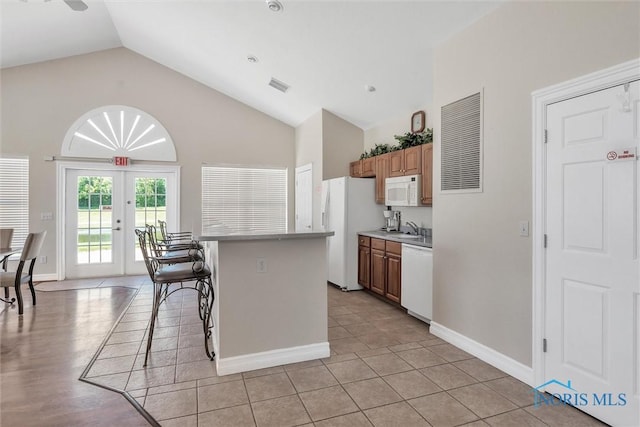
(403, 190)
(348, 206)
(416, 294)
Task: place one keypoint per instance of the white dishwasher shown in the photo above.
(417, 281)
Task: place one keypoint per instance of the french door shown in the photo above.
(102, 210)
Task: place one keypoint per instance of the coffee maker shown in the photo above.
(392, 220)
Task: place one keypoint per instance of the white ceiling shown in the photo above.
(327, 51)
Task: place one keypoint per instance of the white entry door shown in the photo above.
(102, 210)
(592, 296)
(304, 198)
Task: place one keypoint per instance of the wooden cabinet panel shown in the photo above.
(379, 244)
(364, 266)
(393, 270)
(364, 241)
(393, 247)
(378, 271)
(355, 169)
(368, 167)
(364, 261)
(413, 160)
(382, 171)
(396, 163)
(427, 174)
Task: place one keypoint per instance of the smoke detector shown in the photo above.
(274, 5)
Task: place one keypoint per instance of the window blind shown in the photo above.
(14, 197)
(460, 144)
(244, 200)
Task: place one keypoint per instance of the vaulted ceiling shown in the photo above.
(328, 52)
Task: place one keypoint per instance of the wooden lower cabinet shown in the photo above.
(386, 262)
(364, 262)
(378, 271)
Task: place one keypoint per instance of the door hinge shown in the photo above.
(545, 241)
(545, 136)
(544, 345)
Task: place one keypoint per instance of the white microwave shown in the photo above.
(403, 190)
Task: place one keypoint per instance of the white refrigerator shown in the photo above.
(348, 206)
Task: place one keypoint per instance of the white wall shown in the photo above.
(41, 101)
(482, 267)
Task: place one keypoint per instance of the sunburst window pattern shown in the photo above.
(119, 131)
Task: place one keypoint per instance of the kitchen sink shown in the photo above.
(408, 236)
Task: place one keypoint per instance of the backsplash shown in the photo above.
(422, 216)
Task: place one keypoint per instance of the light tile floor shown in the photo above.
(385, 369)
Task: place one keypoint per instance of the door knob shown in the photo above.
(117, 228)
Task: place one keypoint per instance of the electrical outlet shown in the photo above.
(261, 265)
(524, 228)
(43, 259)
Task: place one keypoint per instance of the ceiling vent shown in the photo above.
(277, 84)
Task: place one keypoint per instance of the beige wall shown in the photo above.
(342, 143)
(383, 132)
(329, 143)
(308, 146)
(41, 101)
(482, 268)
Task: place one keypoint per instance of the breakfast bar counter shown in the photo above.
(270, 304)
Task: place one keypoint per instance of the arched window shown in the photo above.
(118, 130)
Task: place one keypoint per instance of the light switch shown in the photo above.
(524, 228)
(46, 216)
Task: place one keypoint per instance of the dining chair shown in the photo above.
(30, 252)
(178, 239)
(6, 235)
(168, 278)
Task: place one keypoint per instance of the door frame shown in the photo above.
(599, 80)
(299, 170)
(62, 167)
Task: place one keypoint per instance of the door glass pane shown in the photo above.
(94, 220)
(151, 204)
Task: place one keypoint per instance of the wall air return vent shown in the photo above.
(461, 145)
(277, 84)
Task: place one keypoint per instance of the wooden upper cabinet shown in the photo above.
(396, 163)
(406, 162)
(355, 169)
(427, 174)
(413, 160)
(368, 167)
(382, 172)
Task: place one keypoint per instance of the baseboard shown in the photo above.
(504, 363)
(266, 359)
(47, 277)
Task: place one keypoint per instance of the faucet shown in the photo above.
(413, 226)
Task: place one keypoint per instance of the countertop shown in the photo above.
(263, 236)
(396, 236)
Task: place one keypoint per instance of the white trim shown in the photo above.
(61, 179)
(484, 353)
(266, 359)
(599, 80)
(45, 277)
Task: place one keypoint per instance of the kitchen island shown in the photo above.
(270, 304)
